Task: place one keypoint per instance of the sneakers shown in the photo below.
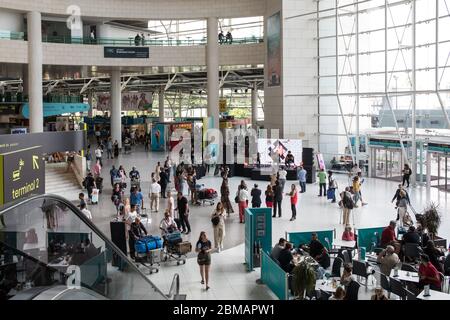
(218, 249)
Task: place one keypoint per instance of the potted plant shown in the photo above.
(304, 278)
(430, 220)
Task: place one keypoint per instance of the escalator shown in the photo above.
(50, 251)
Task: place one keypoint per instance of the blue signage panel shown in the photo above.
(56, 109)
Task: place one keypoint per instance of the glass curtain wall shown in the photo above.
(383, 68)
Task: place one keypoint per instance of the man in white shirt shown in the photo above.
(167, 224)
(155, 191)
(85, 211)
(282, 174)
(98, 155)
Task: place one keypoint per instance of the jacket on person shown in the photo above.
(256, 197)
(278, 193)
(138, 230)
(387, 262)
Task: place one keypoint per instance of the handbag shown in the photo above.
(215, 220)
(236, 199)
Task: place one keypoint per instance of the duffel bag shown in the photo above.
(174, 237)
(153, 242)
(140, 246)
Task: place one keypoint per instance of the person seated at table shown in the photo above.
(435, 255)
(447, 265)
(388, 234)
(412, 236)
(428, 274)
(423, 235)
(286, 258)
(275, 254)
(338, 295)
(347, 275)
(348, 234)
(315, 247)
(379, 294)
(324, 259)
(388, 259)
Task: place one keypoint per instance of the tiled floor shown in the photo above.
(229, 280)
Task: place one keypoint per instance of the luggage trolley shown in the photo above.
(148, 253)
(205, 195)
(176, 248)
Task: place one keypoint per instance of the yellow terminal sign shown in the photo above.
(22, 174)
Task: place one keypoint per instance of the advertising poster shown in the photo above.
(173, 127)
(131, 101)
(321, 161)
(274, 50)
(275, 150)
(158, 138)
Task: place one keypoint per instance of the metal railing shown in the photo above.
(126, 41)
(174, 287)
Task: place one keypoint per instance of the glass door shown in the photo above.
(379, 160)
(395, 165)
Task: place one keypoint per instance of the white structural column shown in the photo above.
(212, 62)
(254, 106)
(161, 105)
(35, 71)
(116, 107)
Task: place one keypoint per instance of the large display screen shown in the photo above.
(275, 150)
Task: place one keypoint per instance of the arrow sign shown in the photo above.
(35, 163)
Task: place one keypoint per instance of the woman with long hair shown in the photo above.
(203, 249)
(293, 194)
(225, 197)
(218, 222)
(269, 197)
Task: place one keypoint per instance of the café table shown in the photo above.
(406, 276)
(434, 295)
(343, 243)
(329, 285)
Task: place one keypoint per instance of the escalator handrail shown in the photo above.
(90, 224)
(174, 287)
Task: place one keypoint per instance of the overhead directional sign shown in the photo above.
(22, 174)
(126, 52)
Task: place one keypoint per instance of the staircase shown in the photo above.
(61, 182)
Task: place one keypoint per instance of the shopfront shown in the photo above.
(386, 159)
(440, 166)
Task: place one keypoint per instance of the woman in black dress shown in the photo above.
(203, 248)
(225, 197)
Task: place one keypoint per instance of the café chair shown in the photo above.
(360, 270)
(410, 295)
(324, 295)
(346, 255)
(397, 288)
(352, 291)
(408, 267)
(336, 268)
(384, 282)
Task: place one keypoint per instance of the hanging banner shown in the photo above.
(131, 101)
(222, 105)
(274, 50)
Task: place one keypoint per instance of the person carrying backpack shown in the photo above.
(347, 205)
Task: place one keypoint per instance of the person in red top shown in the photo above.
(428, 274)
(348, 235)
(388, 234)
(294, 198)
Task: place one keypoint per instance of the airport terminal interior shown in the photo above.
(225, 150)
